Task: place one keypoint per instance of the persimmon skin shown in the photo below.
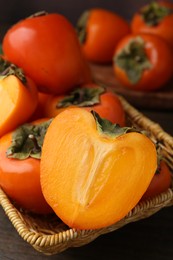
(56, 66)
(93, 190)
(160, 57)
(40, 109)
(161, 182)
(163, 29)
(20, 179)
(102, 35)
(110, 106)
(21, 103)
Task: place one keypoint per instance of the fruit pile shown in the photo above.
(65, 147)
(140, 51)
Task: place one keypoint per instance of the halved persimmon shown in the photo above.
(93, 172)
(18, 97)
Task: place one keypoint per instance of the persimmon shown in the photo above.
(20, 166)
(90, 97)
(46, 46)
(99, 31)
(92, 171)
(143, 62)
(155, 18)
(160, 182)
(18, 97)
(40, 109)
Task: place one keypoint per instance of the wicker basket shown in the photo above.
(49, 235)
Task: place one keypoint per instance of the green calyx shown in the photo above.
(81, 26)
(154, 13)
(82, 97)
(27, 141)
(7, 68)
(133, 59)
(105, 127)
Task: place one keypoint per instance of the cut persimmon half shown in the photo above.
(17, 102)
(93, 172)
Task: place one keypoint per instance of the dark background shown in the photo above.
(13, 10)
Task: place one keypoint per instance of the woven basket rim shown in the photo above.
(141, 210)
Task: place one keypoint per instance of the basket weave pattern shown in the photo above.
(50, 235)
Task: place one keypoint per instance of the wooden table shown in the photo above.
(147, 239)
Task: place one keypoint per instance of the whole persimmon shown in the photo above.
(46, 46)
(20, 166)
(155, 18)
(90, 97)
(143, 62)
(40, 109)
(99, 31)
(160, 182)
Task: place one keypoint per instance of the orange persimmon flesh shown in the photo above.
(17, 102)
(92, 180)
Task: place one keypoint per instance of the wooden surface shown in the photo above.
(148, 239)
(160, 99)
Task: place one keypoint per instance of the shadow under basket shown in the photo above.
(49, 235)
